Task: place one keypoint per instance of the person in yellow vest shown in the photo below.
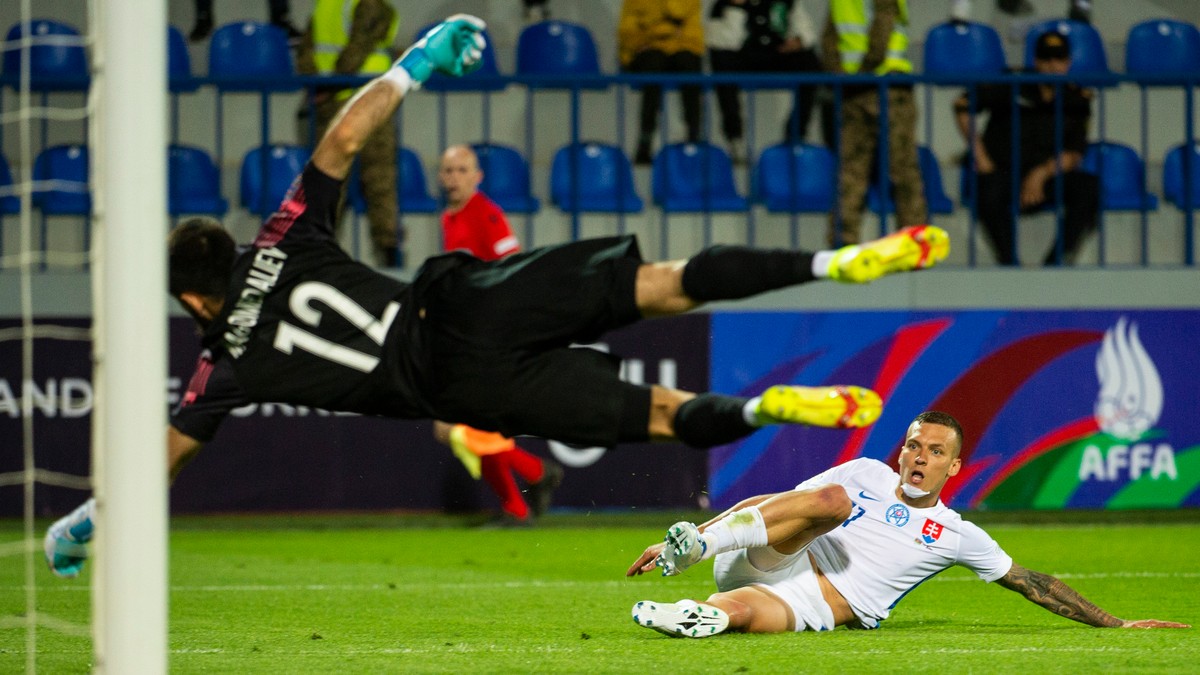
(871, 36)
(348, 37)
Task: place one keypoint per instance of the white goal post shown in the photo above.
(129, 614)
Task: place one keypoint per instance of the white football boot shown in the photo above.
(685, 618)
(685, 547)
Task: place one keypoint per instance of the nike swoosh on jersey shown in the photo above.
(864, 495)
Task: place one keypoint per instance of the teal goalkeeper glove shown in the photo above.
(453, 47)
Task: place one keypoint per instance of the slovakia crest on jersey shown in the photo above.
(931, 531)
(897, 514)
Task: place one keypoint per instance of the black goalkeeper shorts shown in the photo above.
(500, 335)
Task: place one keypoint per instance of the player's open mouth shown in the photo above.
(916, 477)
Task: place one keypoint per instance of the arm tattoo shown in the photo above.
(1057, 597)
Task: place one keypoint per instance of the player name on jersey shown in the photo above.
(262, 277)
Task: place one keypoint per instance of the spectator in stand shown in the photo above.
(1040, 163)
(535, 10)
(761, 36)
(662, 36)
(364, 45)
(1077, 10)
(281, 15)
(474, 223)
(871, 36)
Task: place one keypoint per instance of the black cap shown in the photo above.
(1052, 45)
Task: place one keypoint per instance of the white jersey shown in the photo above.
(886, 548)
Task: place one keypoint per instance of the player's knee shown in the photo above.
(441, 432)
(659, 289)
(740, 613)
(833, 502)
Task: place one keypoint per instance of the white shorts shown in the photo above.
(791, 578)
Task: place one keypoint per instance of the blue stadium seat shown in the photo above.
(557, 48)
(57, 63)
(966, 187)
(963, 49)
(283, 164)
(1122, 177)
(605, 179)
(691, 177)
(412, 192)
(1162, 46)
(936, 198)
(1087, 48)
(486, 78)
(506, 178)
(1174, 178)
(179, 62)
(194, 183)
(65, 168)
(9, 203)
(799, 178)
(249, 49)
(411, 185)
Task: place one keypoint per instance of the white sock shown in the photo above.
(822, 261)
(750, 412)
(744, 528)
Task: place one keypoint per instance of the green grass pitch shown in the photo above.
(408, 594)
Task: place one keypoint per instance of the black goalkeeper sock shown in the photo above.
(735, 272)
(712, 419)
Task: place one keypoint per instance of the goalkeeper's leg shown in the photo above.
(737, 272)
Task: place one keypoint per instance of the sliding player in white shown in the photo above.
(843, 548)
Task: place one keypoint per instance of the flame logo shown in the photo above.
(1131, 393)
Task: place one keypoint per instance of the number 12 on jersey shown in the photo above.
(288, 336)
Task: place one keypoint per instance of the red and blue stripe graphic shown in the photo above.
(1022, 383)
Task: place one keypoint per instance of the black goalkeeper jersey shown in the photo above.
(305, 324)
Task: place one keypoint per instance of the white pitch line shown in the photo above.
(456, 648)
(1098, 575)
(491, 648)
(1137, 649)
(533, 584)
(397, 585)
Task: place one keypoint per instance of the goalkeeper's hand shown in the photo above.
(453, 47)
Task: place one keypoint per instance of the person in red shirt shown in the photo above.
(471, 222)
(475, 224)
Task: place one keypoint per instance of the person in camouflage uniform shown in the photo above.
(869, 36)
(365, 47)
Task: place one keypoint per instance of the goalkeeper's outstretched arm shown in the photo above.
(371, 106)
(453, 47)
